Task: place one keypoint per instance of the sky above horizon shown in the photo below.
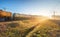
(33, 7)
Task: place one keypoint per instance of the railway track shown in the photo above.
(6, 22)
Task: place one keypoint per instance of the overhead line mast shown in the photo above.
(54, 15)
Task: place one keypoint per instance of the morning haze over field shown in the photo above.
(29, 18)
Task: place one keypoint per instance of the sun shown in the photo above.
(44, 13)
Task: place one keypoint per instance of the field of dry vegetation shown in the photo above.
(30, 28)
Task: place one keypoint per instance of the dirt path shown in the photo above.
(35, 28)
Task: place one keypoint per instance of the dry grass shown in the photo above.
(24, 28)
(45, 29)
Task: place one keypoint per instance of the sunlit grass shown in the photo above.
(45, 29)
(38, 27)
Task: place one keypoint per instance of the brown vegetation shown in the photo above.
(30, 28)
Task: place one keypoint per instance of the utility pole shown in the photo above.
(54, 15)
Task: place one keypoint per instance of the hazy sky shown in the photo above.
(36, 7)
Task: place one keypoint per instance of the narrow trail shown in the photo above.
(35, 28)
(31, 30)
(46, 21)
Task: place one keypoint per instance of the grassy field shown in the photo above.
(30, 28)
(45, 29)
